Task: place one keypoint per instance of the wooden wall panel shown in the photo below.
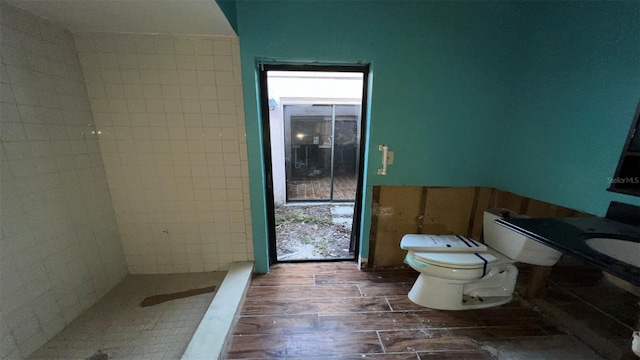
(534, 208)
(505, 199)
(483, 202)
(540, 209)
(562, 211)
(577, 213)
(446, 210)
(397, 214)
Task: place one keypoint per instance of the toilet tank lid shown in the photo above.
(444, 243)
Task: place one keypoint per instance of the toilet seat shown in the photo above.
(456, 260)
(457, 265)
(445, 272)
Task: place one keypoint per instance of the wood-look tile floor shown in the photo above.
(592, 309)
(335, 311)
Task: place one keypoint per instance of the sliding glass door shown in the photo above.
(321, 146)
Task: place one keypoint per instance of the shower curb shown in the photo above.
(210, 338)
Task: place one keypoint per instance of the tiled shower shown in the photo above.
(169, 118)
(121, 154)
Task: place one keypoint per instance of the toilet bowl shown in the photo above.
(459, 273)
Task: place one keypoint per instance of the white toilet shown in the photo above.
(458, 273)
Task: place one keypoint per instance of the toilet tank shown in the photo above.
(514, 245)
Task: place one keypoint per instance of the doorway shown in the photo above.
(313, 135)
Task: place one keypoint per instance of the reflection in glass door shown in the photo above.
(321, 151)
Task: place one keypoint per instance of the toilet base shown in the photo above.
(495, 289)
(485, 302)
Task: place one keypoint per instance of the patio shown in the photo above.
(319, 188)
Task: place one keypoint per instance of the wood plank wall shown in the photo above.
(400, 210)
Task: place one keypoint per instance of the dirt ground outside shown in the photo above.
(313, 232)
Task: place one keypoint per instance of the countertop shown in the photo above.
(569, 235)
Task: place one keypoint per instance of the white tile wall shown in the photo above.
(170, 122)
(59, 246)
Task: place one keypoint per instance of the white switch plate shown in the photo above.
(389, 157)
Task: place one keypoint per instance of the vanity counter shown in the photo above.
(569, 235)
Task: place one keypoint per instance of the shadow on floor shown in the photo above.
(583, 303)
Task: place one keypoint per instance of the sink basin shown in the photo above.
(623, 250)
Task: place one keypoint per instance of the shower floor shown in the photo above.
(118, 327)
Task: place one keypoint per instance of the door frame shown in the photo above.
(364, 69)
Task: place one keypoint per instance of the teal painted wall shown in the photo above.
(228, 8)
(441, 75)
(578, 83)
(454, 89)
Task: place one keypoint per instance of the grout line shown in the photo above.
(337, 313)
(386, 298)
(482, 323)
(384, 349)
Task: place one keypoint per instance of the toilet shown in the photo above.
(459, 273)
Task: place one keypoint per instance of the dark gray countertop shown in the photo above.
(569, 235)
